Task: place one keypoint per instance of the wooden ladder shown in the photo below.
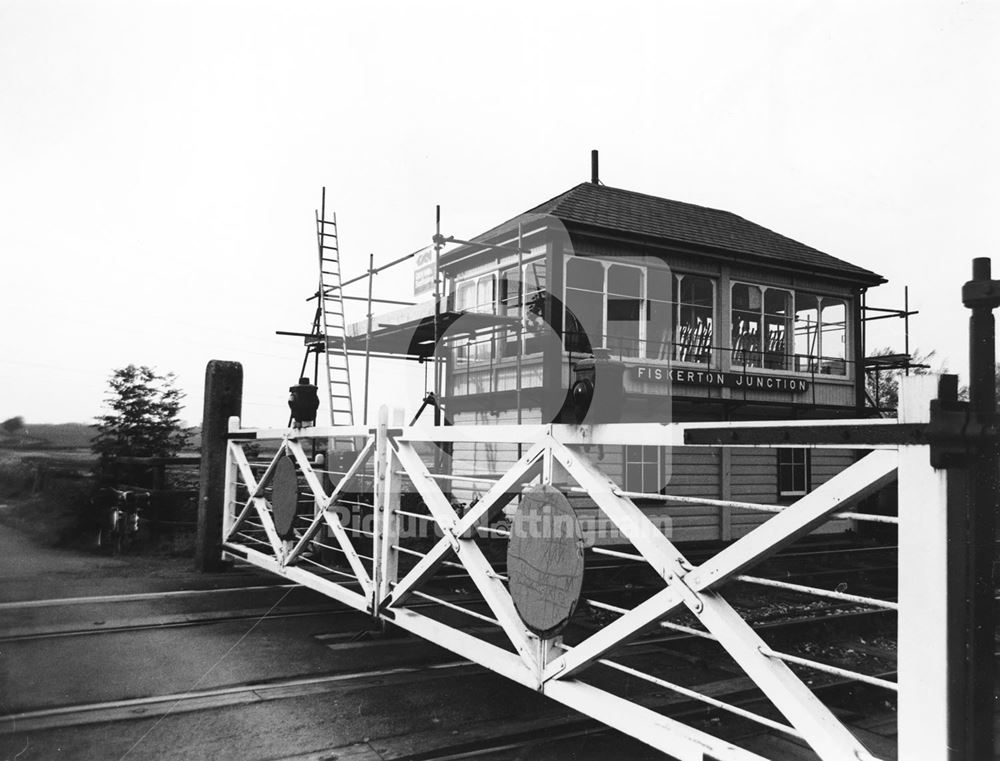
(331, 320)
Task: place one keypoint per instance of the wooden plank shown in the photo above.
(661, 732)
(725, 492)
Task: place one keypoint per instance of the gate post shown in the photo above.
(972, 698)
(923, 588)
(223, 399)
(386, 502)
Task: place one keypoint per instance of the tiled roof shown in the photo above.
(626, 211)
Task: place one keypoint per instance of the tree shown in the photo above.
(143, 422)
(12, 425)
(963, 392)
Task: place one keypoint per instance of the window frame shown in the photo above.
(658, 454)
(507, 337)
(713, 360)
(806, 466)
(646, 300)
(790, 353)
(760, 353)
(466, 349)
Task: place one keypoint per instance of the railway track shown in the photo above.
(207, 699)
(273, 689)
(499, 739)
(596, 575)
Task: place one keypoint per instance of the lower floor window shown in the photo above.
(793, 472)
(642, 469)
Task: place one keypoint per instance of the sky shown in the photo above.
(160, 162)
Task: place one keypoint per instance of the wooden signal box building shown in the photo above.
(704, 316)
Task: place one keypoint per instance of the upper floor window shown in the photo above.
(638, 311)
(585, 296)
(761, 324)
(820, 334)
(522, 295)
(777, 329)
(475, 295)
(695, 318)
(626, 291)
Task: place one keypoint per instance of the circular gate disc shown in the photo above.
(545, 560)
(284, 496)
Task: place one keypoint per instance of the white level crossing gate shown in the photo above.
(376, 528)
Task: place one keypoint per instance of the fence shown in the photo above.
(173, 498)
(379, 531)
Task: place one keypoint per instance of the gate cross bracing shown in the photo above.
(367, 573)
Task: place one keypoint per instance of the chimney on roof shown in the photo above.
(594, 174)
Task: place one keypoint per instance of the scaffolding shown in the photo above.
(414, 332)
(876, 365)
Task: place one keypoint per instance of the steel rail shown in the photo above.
(817, 592)
(134, 597)
(835, 670)
(341, 550)
(169, 703)
(407, 551)
(694, 694)
(453, 606)
(663, 624)
(741, 505)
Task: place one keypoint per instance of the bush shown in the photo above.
(16, 477)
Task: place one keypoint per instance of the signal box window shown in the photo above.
(522, 295)
(761, 321)
(793, 472)
(820, 334)
(584, 326)
(642, 469)
(695, 311)
(475, 295)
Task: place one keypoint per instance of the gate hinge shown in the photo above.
(957, 433)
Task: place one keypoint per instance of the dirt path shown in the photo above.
(31, 571)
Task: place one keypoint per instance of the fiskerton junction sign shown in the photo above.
(692, 377)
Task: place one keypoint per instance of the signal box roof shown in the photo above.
(595, 207)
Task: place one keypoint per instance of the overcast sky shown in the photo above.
(160, 161)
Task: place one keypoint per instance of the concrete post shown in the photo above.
(223, 399)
